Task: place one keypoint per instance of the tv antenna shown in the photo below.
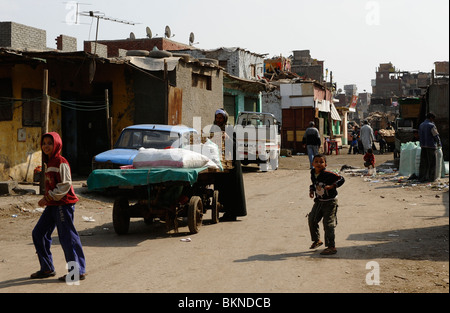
(168, 32)
(99, 15)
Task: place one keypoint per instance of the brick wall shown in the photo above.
(22, 37)
(66, 43)
(116, 47)
(101, 50)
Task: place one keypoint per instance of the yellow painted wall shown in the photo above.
(122, 104)
(18, 159)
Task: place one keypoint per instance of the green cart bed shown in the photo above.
(104, 178)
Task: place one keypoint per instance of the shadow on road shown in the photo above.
(409, 244)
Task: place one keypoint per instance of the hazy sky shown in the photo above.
(352, 36)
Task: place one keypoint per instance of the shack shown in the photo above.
(85, 93)
(301, 103)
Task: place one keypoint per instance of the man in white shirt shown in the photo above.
(367, 136)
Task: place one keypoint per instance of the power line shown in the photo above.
(72, 105)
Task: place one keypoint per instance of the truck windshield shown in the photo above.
(255, 120)
(137, 138)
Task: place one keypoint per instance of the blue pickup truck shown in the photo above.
(143, 135)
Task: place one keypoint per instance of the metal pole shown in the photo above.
(96, 36)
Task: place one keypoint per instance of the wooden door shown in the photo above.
(175, 106)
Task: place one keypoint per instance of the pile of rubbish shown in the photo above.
(387, 173)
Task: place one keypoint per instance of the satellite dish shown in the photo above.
(167, 32)
(149, 32)
(191, 38)
(132, 36)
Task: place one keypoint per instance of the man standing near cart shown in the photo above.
(429, 143)
(230, 185)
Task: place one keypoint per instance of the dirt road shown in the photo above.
(392, 236)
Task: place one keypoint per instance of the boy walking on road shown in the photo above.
(323, 187)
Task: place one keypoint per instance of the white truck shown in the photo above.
(258, 139)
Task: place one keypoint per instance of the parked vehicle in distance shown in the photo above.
(258, 139)
(134, 137)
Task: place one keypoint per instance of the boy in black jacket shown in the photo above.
(324, 184)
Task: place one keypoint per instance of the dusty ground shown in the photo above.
(388, 228)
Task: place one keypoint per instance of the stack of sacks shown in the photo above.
(210, 150)
(176, 157)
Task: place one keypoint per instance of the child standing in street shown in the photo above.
(59, 201)
(323, 188)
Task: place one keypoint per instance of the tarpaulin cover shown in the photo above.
(101, 179)
(155, 64)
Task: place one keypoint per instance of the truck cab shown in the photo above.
(258, 139)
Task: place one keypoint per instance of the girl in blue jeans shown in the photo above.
(59, 201)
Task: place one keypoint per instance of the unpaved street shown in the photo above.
(392, 236)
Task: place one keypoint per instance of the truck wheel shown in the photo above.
(215, 208)
(121, 216)
(195, 214)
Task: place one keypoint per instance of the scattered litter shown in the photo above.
(393, 235)
(38, 210)
(88, 219)
(14, 215)
(186, 239)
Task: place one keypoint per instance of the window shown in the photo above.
(6, 103)
(253, 70)
(31, 107)
(201, 81)
(223, 63)
(137, 138)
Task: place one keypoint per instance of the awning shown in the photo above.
(322, 105)
(247, 85)
(154, 64)
(334, 113)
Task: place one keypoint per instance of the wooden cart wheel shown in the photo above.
(121, 216)
(195, 214)
(215, 207)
